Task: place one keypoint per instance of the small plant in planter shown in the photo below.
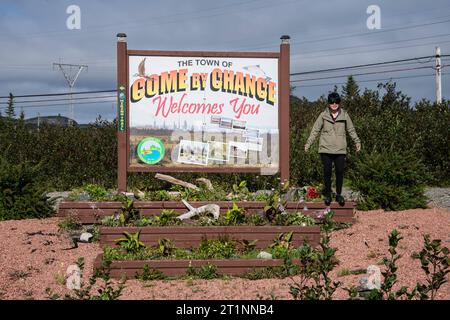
(96, 192)
(208, 271)
(281, 245)
(144, 222)
(150, 274)
(255, 220)
(235, 215)
(311, 193)
(297, 218)
(158, 195)
(110, 221)
(128, 213)
(276, 203)
(247, 246)
(70, 223)
(165, 247)
(131, 243)
(240, 191)
(216, 249)
(167, 218)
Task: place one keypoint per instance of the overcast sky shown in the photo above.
(324, 34)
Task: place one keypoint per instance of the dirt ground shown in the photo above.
(33, 257)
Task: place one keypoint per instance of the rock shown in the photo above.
(73, 277)
(374, 277)
(264, 255)
(85, 237)
(57, 197)
(84, 196)
(372, 280)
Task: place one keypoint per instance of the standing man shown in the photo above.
(332, 125)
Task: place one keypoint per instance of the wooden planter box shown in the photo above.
(234, 267)
(189, 237)
(93, 212)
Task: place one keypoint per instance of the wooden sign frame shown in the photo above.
(123, 136)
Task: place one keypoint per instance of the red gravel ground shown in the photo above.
(32, 258)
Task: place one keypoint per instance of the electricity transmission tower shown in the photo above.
(70, 73)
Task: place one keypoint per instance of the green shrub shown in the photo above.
(390, 180)
(21, 196)
(215, 249)
(96, 192)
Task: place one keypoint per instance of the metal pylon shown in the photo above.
(70, 73)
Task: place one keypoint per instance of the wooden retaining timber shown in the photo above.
(235, 267)
(189, 237)
(93, 212)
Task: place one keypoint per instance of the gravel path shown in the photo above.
(437, 197)
(32, 258)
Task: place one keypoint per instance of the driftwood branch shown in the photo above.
(173, 180)
(214, 209)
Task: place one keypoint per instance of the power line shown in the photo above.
(292, 74)
(301, 56)
(57, 94)
(376, 44)
(362, 74)
(371, 80)
(296, 43)
(61, 104)
(53, 100)
(361, 65)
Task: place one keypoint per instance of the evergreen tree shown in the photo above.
(351, 89)
(10, 108)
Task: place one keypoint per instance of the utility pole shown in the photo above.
(39, 120)
(438, 76)
(71, 73)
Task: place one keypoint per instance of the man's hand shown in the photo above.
(306, 148)
(358, 147)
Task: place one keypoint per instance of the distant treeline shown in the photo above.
(385, 119)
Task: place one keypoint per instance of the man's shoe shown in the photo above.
(340, 199)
